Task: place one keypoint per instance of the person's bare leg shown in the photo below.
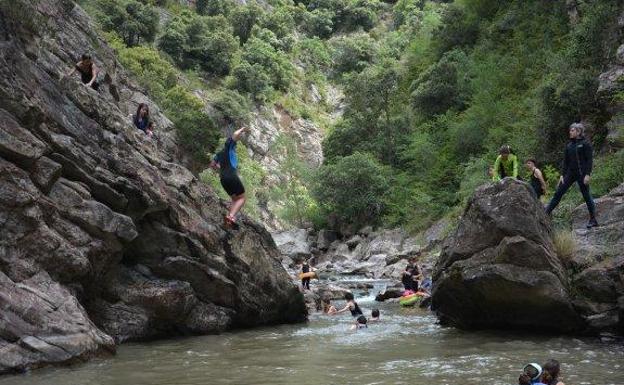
(237, 203)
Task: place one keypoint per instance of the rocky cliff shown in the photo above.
(500, 269)
(104, 236)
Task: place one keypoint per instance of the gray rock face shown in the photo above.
(598, 264)
(499, 268)
(104, 236)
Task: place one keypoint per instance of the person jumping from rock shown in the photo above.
(226, 162)
(506, 164)
(537, 179)
(88, 71)
(577, 167)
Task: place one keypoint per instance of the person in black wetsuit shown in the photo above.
(305, 282)
(142, 121)
(88, 71)
(354, 308)
(537, 179)
(406, 278)
(226, 162)
(577, 167)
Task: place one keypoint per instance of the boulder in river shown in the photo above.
(499, 268)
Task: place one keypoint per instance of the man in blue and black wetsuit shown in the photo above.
(577, 167)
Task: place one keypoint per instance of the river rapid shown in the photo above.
(406, 347)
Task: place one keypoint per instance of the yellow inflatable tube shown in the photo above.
(311, 274)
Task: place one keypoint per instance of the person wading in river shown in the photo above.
(551, 373)
(577, 167)
(352, 306)
(226, 162)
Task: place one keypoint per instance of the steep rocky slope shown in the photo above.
(104, 236)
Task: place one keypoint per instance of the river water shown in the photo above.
(406, 347)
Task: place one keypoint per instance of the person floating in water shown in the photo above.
(551, 373)
(577, 167)
(305, 268)
(537, 179)
(506, 164)
(88, 71)
(142, 120)
(374, 316)
(534, 372)
(226, 162)
(360, 323)
(328, 308)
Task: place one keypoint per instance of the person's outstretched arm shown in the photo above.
(344, 309)
(73, 70)
(238, 133)
(589, 155)
(514, 162)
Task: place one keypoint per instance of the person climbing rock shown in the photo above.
(577, 167)
(534, 372)
(142, 121)
(551, 371)
(305, 268)
(537, 179)
(506, 164)
(88, 71)
(226, 162)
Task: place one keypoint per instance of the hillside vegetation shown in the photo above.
(432, 89)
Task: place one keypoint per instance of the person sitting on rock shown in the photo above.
(88, 71)
(407, 281)
(416, 273)
(537, 179)
(226, 161)
(328, 308)
(577, 167)
(374, 316)
(142, 121)
(534, 371)
(551, 373)
(506, 164)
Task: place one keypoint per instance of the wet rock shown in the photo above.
(325, 239)
(391, 292)
(499, 269)
(293, 243)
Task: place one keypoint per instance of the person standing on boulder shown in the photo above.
(537, 179)
(88, 71)
(305, 281)
(506, 164)
(226, 162)
(577, 167)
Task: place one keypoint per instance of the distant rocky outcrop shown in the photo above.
(104, 236)
(499, 268)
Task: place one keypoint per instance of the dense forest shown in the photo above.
(432, 90)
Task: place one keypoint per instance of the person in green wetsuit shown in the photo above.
(506, 164)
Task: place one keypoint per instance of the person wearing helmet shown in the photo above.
(506, 164)
(534, 372)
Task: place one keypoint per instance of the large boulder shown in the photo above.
(104, 235)
(499, 268)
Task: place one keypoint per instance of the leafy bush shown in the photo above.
(200, 41)
(214, 7)
(353, 53)
(319, 23)
(243, 18)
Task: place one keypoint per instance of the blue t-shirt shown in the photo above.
(229, 149)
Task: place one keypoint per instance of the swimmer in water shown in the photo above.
(360, 323)
(328, 308)
(374, 316)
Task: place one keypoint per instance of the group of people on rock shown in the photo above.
(535, 374)
(360, 320)
(576, 168)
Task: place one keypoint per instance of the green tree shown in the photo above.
(354, 189)
(132, 20)
(243, 18)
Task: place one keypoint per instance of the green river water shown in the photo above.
(407, 347)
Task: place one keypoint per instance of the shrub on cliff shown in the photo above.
(132, 20)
